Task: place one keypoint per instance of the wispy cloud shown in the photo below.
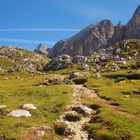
(39, 30)
(26, 41)
(84, 8)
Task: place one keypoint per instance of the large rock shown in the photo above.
(19, 113)
(29, 106)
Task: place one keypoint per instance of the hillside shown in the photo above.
(70, 98)
(17, 59)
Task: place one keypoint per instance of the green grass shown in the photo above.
(108, 88)
(5, 62)
(50, 101)
(114, 124)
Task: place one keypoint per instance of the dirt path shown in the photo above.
(79, 94)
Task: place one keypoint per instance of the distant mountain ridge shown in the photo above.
(98, 36)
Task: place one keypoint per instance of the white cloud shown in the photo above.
(26, 41)
(40, 30)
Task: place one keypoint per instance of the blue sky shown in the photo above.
(26, 23)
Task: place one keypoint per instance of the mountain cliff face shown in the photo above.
(132, 29)
(85, 42)
(98, 36)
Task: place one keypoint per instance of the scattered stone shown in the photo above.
(121, 62)
(84, 67)
(40, 133)
(29, 106)
(68, 81)
(19, 113)
(76, 74)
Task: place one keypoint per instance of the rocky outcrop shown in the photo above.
(98, 36)
(59, 63)
(42, 49)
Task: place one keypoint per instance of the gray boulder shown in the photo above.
(19, 113)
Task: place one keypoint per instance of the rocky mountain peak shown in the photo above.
(137, 12)
(97, 36)
(86, 41)
(42, 49)
(132, 29)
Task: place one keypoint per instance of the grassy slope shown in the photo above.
(50, 101)
(115, 124)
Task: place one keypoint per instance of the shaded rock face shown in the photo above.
(132, 29)
(85, 42)
(119, 31)
(42, 49)
(98, 36)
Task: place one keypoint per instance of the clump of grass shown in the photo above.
(72, 117)
(60, 128)
(95, 106)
